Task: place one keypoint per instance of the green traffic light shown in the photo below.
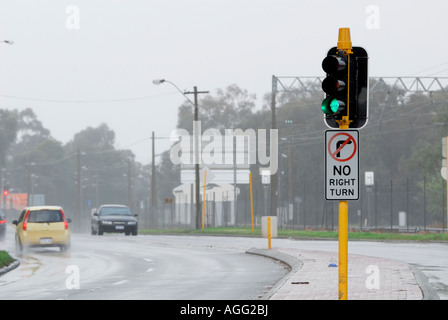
(331, 105)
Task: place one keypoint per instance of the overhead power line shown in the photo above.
(86, 100)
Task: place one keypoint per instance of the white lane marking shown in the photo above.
(119, 282)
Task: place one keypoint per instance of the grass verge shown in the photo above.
(307, 234)
(5, 259)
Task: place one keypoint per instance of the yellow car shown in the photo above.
(43, 226)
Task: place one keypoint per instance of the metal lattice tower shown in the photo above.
(377, 84)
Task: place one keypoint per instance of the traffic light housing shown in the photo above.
(335, 85)
(5, 192)
(346, 87)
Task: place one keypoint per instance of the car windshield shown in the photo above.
(43, 216)
(115, 211)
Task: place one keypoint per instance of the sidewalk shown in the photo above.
(314, 276)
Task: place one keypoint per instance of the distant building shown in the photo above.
(219, 208)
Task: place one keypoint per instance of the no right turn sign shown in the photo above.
(342, 163)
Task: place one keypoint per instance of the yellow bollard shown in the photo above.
(269, 232)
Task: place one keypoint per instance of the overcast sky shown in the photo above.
(80, 63)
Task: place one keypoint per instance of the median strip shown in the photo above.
(7, 263)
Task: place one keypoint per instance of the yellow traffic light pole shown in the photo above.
(344, 45)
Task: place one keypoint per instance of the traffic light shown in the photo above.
(346, 85)
(359, 95)
(335, 85)
(6, 192)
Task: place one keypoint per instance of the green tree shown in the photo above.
(225, 110)
(37, 159)
(8, 132)
(104, 171)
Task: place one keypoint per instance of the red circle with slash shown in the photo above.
(347, 140)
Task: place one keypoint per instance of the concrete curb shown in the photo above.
(428, 292)
(9, 267)
(294, 263)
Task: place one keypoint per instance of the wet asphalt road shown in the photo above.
(185, 267)
(141, 267)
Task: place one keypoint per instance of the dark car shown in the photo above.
(114, 218)
(2, 226)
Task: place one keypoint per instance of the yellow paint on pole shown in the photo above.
(203, 201)
(345, 45)
(251, 202)
(343, 249)
(269, 232)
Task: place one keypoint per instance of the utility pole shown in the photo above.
(274, 187)
(291, 186)
(28, 185)
(79, 189)
(196, 153)
(97, 191)
(153, 221)
(234, 182)
(129, 185)
(3, 188)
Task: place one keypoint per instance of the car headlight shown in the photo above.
(132, 223)
(106, 222)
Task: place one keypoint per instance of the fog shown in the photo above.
(80, 63)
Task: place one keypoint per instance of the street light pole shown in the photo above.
(196, 132)
(196, 153)
(78, 211)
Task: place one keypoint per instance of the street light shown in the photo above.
(160, 81)
(196, 141)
